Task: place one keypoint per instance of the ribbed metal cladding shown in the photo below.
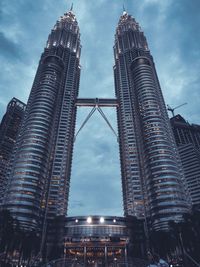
(190, 157)
(39, 178)
(9, 129)
(187, 137)
(126, 47)
(165, 192)
(150, 165)
(29, 172)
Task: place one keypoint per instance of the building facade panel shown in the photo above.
(147, 147)
(40, 169)
(187, 138)
(9, 130)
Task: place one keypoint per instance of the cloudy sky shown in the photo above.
(173, 33)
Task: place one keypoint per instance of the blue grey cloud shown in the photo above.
(172, 30)
(11, 49)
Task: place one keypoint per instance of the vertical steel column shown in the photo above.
(106, 256)
(126, 256)
(85, 256)
(65, 251)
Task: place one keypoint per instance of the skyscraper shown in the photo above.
(40, 170)
(40, 173)
(9, 128)
(150, 165)
(184, 132)
(187, 138)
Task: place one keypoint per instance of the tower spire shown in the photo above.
(71, 6)
(124, 10)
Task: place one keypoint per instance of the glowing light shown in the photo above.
(114, 220)
(76, 220)
(89, 219)
(101, 220)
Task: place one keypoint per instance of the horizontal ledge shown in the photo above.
(100, 102)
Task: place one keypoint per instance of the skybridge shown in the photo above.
(97, 104)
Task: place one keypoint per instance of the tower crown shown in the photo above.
(69, 16)
(128, 35)
(66, 20)
(126, 22)
(66, 33)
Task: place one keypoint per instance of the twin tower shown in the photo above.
(39, 175)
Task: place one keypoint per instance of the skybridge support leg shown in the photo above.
(103, 116)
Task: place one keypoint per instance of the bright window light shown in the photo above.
(89, 219)
(102, 220)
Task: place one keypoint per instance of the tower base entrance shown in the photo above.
(96, 241)
(97, 254)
